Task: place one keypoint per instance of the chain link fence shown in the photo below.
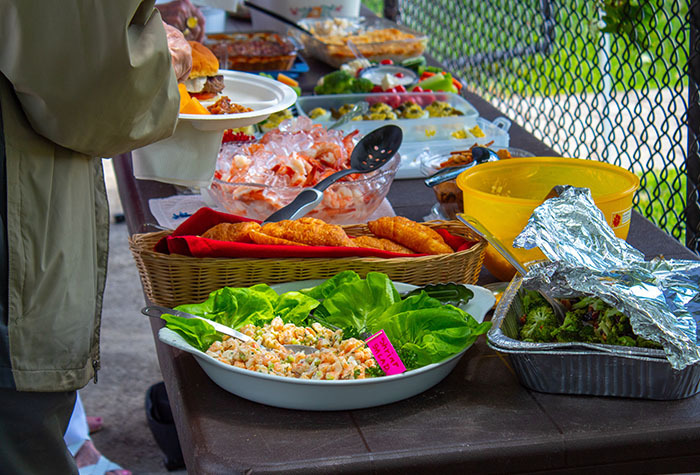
(620, 97)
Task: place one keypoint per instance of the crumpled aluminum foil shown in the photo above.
(660, 296)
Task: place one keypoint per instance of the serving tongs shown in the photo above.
(479, 155)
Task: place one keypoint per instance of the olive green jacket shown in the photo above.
(79, 80)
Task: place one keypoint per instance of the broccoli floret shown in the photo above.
(342, 82)
(626, 341)
(533, 299)
(360, 85)
(539, 325)
(644, 343)
(611, 325)
(570, 329)
(590, 303)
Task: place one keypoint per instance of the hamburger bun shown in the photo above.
(204, 63)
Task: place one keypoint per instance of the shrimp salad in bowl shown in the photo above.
(336, 358)
(254, 179)
(430, 327)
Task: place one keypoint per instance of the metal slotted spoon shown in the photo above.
(156, 311)
(373, 151)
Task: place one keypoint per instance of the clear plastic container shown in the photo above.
(375, 38)
(424, 128)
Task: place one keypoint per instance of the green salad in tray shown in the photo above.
(425, 326)
(588, 319)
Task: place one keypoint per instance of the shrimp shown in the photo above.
(349, 142)
(328, 152)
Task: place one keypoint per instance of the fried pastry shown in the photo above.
(311, 231)
(381, 243)
(411, 234)
(234, 232)
(262, 238)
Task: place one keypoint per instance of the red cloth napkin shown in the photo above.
(186, 240)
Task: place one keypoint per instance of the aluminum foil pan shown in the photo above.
(583, 368)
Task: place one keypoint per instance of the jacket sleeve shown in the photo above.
(94, 76)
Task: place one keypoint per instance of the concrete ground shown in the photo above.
(129, 362)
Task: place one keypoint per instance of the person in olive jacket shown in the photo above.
(79, 80)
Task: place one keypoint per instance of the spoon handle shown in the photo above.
(156, 311)
(302, 204)
(446, 174)
(330, 179)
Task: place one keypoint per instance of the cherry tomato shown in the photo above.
(386, 61)
(377, 88)
(400, 88)
(417, 89)
(394, 101)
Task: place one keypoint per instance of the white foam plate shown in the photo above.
(264, 95)
(313, 395)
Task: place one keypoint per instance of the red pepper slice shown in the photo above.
(386, 61)
(399, 75)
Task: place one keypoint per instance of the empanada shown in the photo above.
(262, 238)
(234, 232)
(311, 231)
(380, 243)
(422, 239)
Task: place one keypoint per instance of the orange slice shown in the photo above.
(184, 95)
(193, 106)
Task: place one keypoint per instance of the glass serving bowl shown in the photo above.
(344, 202)
(448, 194)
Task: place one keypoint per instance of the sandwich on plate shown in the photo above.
(204, 81)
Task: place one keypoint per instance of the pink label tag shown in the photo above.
(385, 354)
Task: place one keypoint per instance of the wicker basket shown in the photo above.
(172, 279)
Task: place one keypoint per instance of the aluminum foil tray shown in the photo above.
(581, 368)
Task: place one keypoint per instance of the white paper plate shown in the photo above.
(264, 95)
(313, 395)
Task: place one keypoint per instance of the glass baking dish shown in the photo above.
(375, 38)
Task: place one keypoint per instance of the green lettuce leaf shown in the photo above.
(354, 304)
(329, 286)
(295, 307)
(422, 329)
(237, 306)
(196, 332)
(426, 330)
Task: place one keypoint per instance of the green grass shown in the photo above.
(572, 67)
(377, 6)
(661, 198)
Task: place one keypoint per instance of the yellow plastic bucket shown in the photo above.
(502, 195)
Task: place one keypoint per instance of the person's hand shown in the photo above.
(180, 52)
(185, 17)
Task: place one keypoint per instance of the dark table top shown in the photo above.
(480, 418)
